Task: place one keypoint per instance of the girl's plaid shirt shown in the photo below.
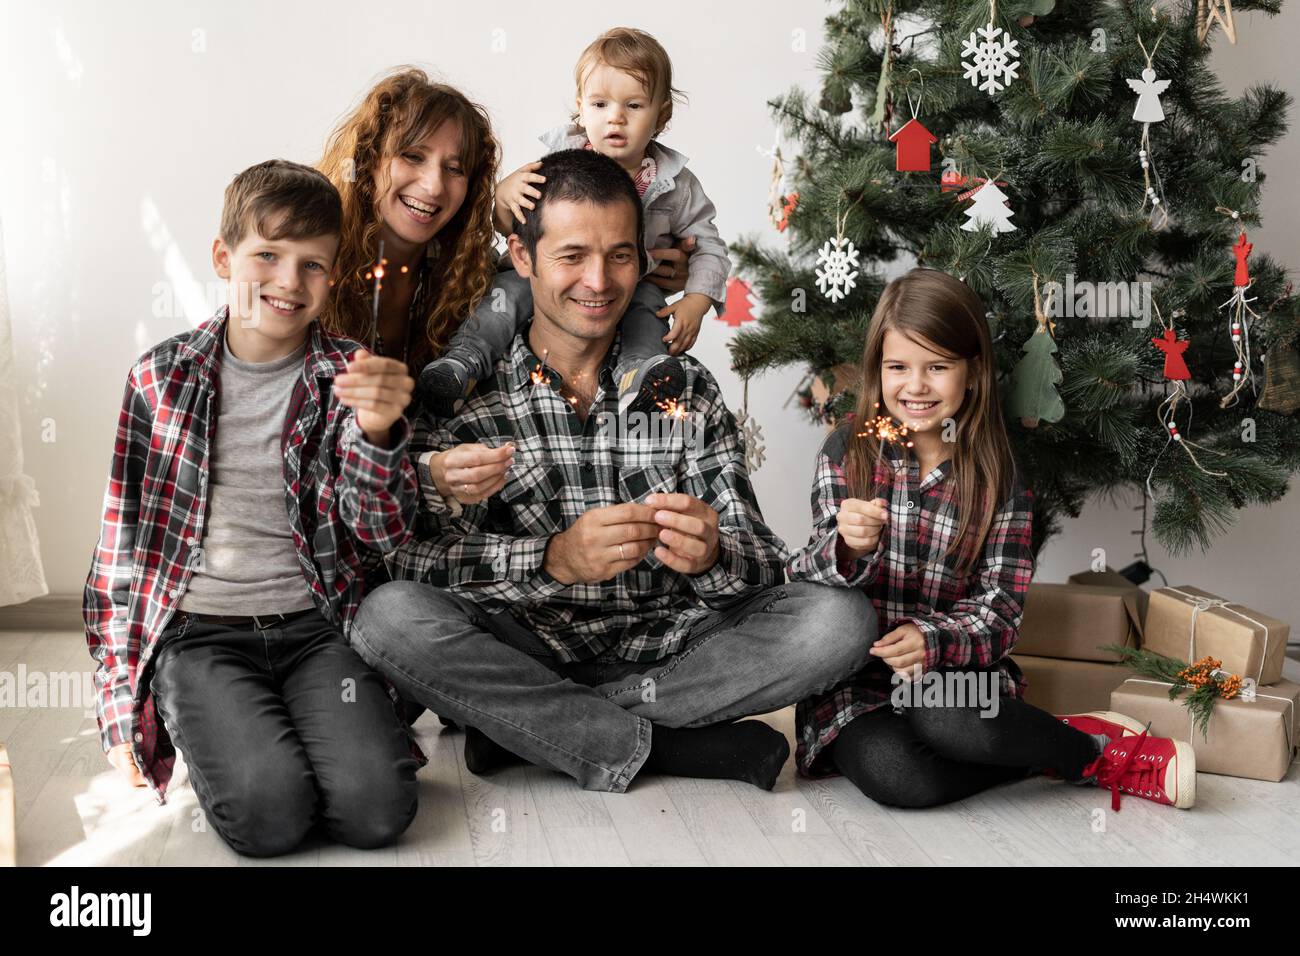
(968, 623)
(343, 496)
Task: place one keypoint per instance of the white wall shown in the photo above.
(120, 138)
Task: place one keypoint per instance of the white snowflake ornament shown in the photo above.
(838, 259)
(993, 61)
(751, 437)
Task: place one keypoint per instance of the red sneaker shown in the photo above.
(1106, 722)
(1154, 768)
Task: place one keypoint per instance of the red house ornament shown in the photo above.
(913, 141)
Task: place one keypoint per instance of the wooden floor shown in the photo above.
(71, 809)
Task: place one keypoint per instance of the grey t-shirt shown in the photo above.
(247, 562)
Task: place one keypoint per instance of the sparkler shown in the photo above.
(377, 273)
(674, 411)
(886, 431)
(538, 375)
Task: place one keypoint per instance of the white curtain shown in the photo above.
(21, 575)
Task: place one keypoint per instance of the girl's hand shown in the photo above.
(859, 524)
(516, 193)
(379, 389)
(471, 473)
(903, 649)
(688, 313)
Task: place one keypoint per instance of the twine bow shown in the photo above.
(1201, 603)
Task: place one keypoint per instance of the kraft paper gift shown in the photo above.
(1069, 687)
(1245, 738)
(1188, 623)
(1073, 621)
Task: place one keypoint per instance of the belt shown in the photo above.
(259, 621)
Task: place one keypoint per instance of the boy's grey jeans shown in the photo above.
(593, 719)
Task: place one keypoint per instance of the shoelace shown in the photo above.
(1112, 771)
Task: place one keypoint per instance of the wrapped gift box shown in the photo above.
(1248, 642)
(1069, 687)
(1072, 621)
(1111, 579)
(1245, 738)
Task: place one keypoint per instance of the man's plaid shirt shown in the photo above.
(968, 623)
(343, 496)
(492, 552)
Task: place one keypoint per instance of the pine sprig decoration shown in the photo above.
(1200, 680)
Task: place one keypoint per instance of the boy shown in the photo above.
(256, 457)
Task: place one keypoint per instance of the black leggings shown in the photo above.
(927, 756)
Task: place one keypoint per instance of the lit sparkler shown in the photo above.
(886, 431)
(376, 273)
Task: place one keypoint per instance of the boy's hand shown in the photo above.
(516, 193)
(689, 539)
(671, 272)
(903, 649)
(688, 313)
(120, 757)
(378, 389)
(859, 524)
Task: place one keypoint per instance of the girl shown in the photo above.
(945, 555)
(415, 164)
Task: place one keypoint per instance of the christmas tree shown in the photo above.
(1119, 186)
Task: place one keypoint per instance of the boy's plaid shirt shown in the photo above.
(968, 624)
(492, 552)
(343, 495)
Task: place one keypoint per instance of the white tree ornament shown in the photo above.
(993, 61)
(751, 437)
(989, 208)
(838, 259)
(1148, 89)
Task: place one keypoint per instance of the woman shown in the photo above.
(416, 165)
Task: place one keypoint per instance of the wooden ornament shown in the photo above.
(1207, 11)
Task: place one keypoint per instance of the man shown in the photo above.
(619, 602)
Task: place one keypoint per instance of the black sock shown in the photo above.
(749, 750)
(483, 754)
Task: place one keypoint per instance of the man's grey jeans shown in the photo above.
(593, 719)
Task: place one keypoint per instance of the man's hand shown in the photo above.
(673, 265)
(859, 524)
(688, 313)
(689, 532)
(903, 649)
(601, 544)
(379, 389)
(471, 473)
(120, 757)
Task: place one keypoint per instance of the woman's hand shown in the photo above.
(516, 193)
(471, 473)
(673, 265)
(903, 649)
(859, 524)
